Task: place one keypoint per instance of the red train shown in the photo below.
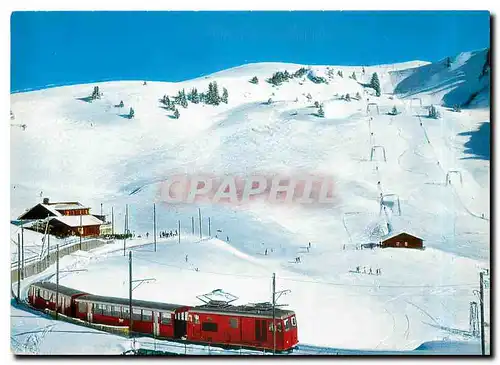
(215, 322)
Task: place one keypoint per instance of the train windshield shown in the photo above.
(294, 321)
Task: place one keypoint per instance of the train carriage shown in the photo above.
(245, 325)
(158, 319)
(42, 295)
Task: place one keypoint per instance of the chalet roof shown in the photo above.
(54, 208)
(394, 234)
(135, 302)
(78, 220)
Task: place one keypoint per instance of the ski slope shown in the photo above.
(75, 150)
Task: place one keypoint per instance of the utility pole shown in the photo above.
(274, 313)
(112, 221)
(125, 235)
(22, 251)
(209, 230)
(48, 247)
(126, 217)
(154, 223)
(179, 231)
(130, 290)
(57, 279)
(192, 224)
(481, 310)
(81, 231)
(276, 296)
(199, 218)
(18, 267)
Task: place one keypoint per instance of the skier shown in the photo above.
(357, 269)
(309, 244)
(186, 258)
(265, 253)
(227, 237)
(343, 247)
(307, 249)
(147, 234)
(370, 272)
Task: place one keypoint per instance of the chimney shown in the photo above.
(45, 200)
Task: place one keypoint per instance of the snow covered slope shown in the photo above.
(462, 80)
(76, 150)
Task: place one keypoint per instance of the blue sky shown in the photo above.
(56, 48)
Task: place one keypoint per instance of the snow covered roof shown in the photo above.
(394, 234)
(78, 220)
(247, 310)
(135, 303)
(65, 205)
(62, 289)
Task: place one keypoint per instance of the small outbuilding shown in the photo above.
(402, 240)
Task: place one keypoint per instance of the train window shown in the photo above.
(136, 314)
(116, 312)
(38, 292)
(278, 326)
(82, 307)
(190, 318)
(147, 315)
(209, 326)
(125, 313)
(166, 318)
(294, 321)
(196, 319)
(233, 322)
(287, 324)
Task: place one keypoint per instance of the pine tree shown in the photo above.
(448, 62)
(121, 104)
(176, 113)
(254, 80)
(316, 104)
(358, 96)
(212, 96)
(347, 97)
(181, 97)
(224, 95)
(193, 96)
(168, 103)
(394, 110)
(321, 112)
(340, 73)
(164, 99)
(375, 84)
(131, 113)
(353, 76)
(286, 75)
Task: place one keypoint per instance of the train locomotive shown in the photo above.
(214, 323)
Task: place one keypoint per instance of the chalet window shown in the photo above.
(233, 322)
(147, 315)
(209, 326)
(166, 318)
(82, 307)
(136, 314)
(294, 321)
